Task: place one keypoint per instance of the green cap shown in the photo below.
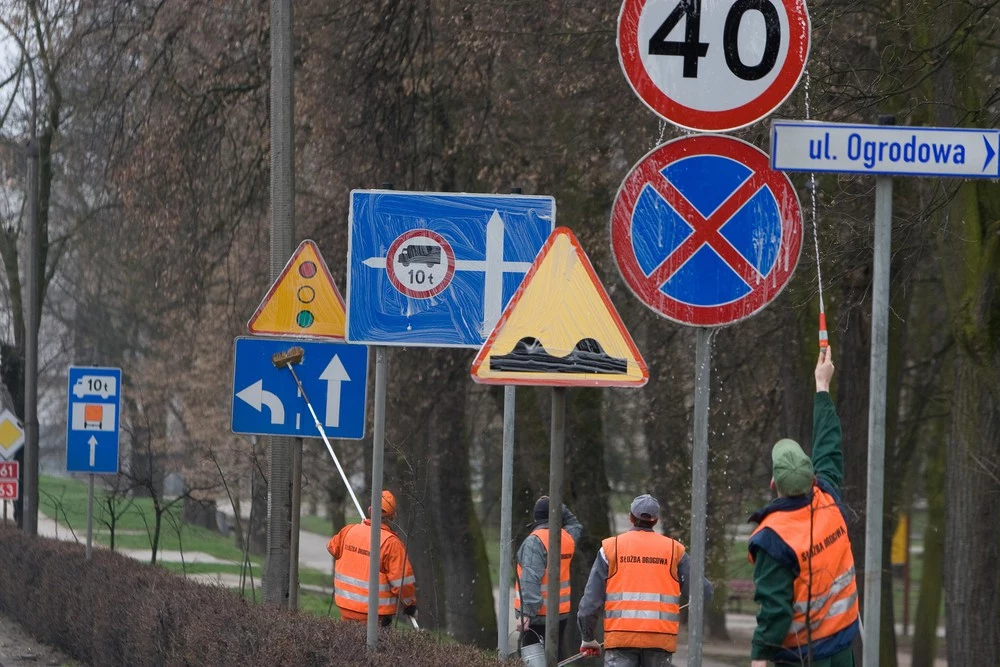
(791, 468)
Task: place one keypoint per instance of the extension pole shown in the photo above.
(506, 509)
(876, 415)
(378, 453)
(90, 515)
(699, 493)
(326, 441)
(557, 452)
(277, 567)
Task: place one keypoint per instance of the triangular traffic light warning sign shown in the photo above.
(560, 328)
(303, 301)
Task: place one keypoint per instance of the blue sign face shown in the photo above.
(437, 269)
(92, 419)
(266, 400)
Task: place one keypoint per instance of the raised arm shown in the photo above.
(827, 457)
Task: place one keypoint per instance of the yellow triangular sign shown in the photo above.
(303, 301)
(560, 328)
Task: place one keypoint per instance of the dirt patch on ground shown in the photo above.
(19, 649)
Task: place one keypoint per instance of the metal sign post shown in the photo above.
(378, 452)
(699, 491)
(876, 418)
(557, 455)
(90, 516)
(506, 509)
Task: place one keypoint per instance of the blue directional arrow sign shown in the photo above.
(92, 419)
(266, 400)
(885, 150)
(436, 269)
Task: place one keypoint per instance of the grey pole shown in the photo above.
(277, 566)
(293, 561)
(699, 492)
(506, 509)
(378, 452)
(876, 415)
(32, 319)
(90, 516)
(557, 453)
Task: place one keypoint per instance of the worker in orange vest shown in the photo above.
(396, 584)
(803, 565)
(637, 580)
(531, 585)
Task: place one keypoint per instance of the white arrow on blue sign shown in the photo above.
(884, 149)
(92, 420)
(436, 269)
(266, 400)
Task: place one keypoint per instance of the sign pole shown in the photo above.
(276, 565)
(876, 415)
(506, 509)
(557, 454)
(378, 451)
(699, 493)
(293, 561)
(90, 515)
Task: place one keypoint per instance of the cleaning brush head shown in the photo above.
(288, 357)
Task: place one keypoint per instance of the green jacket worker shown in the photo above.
(803, 566)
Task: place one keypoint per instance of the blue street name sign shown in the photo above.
(93, 419)
(266, 400)
(884, 150)
(436, 269)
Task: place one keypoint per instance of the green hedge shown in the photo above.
(117, 611)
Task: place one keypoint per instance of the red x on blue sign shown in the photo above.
(704, 231)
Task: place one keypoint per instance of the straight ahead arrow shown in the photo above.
(334, 374)
(93, 450)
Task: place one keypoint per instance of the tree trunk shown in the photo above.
(932, 577)
(586, 487)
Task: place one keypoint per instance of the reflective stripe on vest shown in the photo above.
(825, 587)
(350, 579)
(642, 594)
(567, 547)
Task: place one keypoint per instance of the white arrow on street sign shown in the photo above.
(884, 149)
(93, 450)
(333, 375)
(257, 397)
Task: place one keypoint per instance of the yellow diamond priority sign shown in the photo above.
(11, 435)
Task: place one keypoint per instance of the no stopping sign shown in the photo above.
(713, 65)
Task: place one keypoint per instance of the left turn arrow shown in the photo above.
(257, 397)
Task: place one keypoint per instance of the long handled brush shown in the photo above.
(288, 359)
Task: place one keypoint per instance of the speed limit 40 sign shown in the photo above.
(713, 65)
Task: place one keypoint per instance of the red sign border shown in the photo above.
(449, 255)
(757, 161)
(713, 121)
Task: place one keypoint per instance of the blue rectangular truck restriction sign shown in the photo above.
(93, 419)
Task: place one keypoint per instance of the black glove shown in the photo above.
(411, 610)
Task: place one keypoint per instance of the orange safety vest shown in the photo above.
(825, 588)
(350, 578)
(642, 592)
(567, 547)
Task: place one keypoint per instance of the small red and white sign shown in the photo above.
(713, 65)
(9, 487)
(420, 263)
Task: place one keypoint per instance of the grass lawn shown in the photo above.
(316, 524)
